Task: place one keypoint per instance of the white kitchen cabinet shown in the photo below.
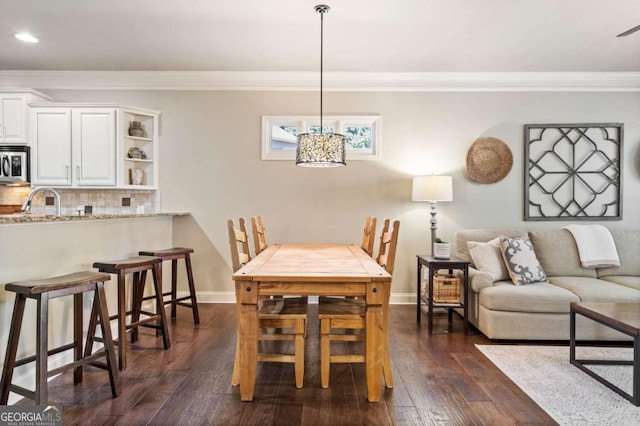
(73, 146)
(13, 114)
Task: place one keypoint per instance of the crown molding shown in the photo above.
(333, 81)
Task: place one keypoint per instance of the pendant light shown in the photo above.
(321, 149)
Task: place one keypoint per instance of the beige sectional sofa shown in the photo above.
(540, 311)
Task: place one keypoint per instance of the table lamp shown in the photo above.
(432, 189)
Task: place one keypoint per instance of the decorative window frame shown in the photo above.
(301, 123)
(573, 172)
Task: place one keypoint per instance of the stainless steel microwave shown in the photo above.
(14, 165)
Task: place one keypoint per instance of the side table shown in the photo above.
(434, 265)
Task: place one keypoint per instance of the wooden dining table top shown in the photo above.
(312, 262)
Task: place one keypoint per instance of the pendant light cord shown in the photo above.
(322, 12)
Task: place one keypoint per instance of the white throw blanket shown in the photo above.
(595, 246)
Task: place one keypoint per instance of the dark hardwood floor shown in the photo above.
(441, 379)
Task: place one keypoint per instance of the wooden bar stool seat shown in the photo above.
(42, 290)
(138, 266)
(174, 254)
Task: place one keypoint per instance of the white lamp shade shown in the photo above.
(432, 188)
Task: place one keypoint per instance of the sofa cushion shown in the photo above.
(558, 254)
(520, 260)
(487, 257)
(479, 280)
(627, 281)
(628, 246)
(461, 237)
(536, 297)
(595, 290)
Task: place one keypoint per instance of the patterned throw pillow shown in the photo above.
(487, 257)
(521, 261)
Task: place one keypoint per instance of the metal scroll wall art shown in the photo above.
(573, 171)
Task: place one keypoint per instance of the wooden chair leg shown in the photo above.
(12, 348)
(325, 352)
(386, 366)
(235, 376)
(386, 360)
(299, 352)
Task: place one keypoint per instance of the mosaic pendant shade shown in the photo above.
(321, 150)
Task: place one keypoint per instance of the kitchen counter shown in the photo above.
(37, 247)
(31, 218)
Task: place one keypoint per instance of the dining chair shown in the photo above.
(369, 235)
(285, 317)
(349, 314)
(259, 236)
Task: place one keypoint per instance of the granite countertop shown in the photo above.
(30, 218)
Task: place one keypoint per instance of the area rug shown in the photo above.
(568, 395)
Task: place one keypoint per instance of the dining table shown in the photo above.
(312, 270)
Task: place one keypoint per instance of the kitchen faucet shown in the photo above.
(26, 207)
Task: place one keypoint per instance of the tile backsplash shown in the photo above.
(102, 201)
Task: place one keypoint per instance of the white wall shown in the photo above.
(211, 167)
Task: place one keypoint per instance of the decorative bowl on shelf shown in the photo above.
(136, 153)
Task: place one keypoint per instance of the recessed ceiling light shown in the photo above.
(26, 37)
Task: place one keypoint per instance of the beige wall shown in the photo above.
(211, 167)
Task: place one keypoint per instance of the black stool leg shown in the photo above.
(42, 338)
(122, 321)
(192, 290)
(12, 347)
(137, 290)
(100, 305)
(174, 286)
(77, 336)
(91, 331)
(157, 282)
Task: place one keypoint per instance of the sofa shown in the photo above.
(540, 310)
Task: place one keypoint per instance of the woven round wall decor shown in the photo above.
(489, 160)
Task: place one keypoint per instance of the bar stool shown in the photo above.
(42, 291)
(174, 254)
(136, 266)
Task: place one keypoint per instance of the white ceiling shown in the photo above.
(284, 35)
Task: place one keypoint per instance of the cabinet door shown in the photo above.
(13, 119)
(51, 146)
(94, 146)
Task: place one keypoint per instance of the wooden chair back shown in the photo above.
(388, 244)
(239, 243)
(259, 235)
(369, 235)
